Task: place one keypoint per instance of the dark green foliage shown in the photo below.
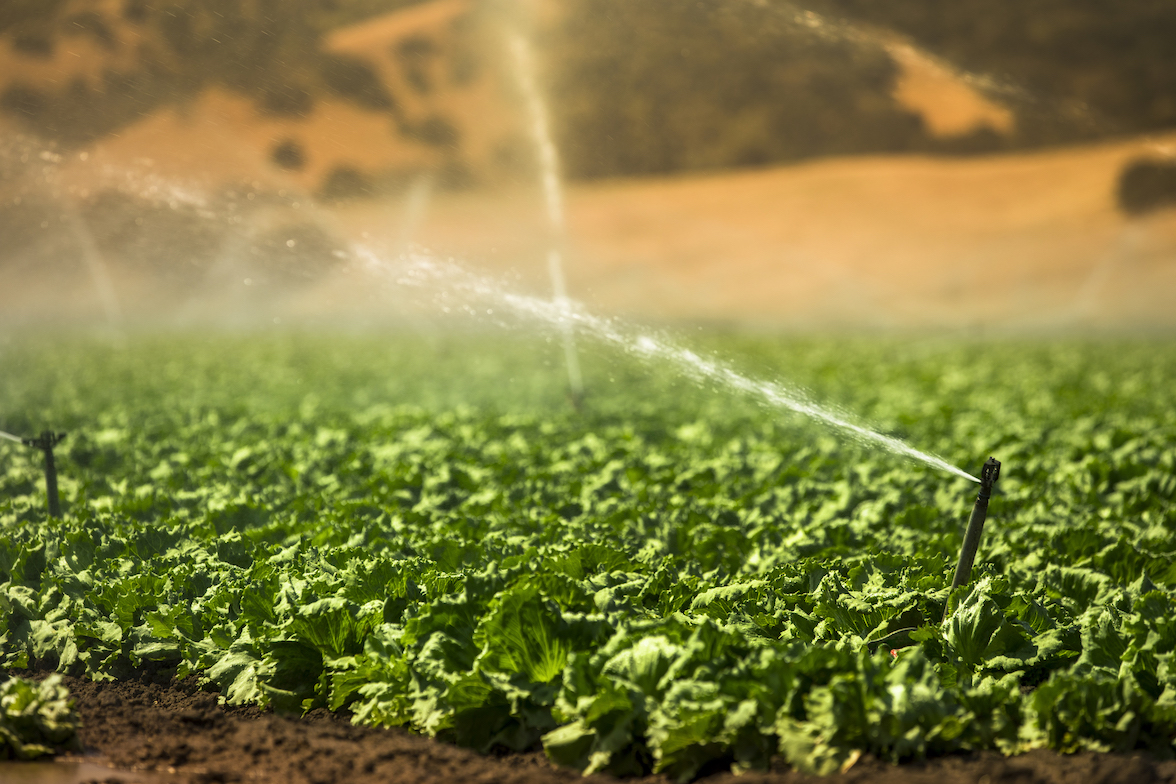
(671, 580)
(662, 86)
(267, 49)
(1145, 185)
(1089, 70)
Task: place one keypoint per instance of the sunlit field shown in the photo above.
(425, 533)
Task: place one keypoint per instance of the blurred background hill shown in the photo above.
(655, 86)
(116, 109)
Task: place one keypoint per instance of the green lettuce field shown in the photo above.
(420, 530)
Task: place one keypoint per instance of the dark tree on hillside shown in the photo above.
(663, 85)
(1117, 59)
(268, 49)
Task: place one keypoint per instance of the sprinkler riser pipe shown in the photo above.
(51, 484)
(45, 442)
(963, 573)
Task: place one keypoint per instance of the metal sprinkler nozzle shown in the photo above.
(989, 473)
(45, 442)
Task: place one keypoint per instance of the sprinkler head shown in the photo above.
(47, 440)
(989, 473)
(963, 574)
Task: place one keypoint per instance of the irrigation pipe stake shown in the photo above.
(963, 573)
(45, 442)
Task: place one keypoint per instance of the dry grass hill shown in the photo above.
(757, 162)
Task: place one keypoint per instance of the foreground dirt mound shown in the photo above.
(180, 733)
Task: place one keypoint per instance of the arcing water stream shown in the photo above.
(999, 87)
(552, 194)
(560, 312)
(567, 317)
(563, 314)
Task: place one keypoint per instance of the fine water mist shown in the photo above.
(500, 117)
(754, 163)
(548, 156)
(416, 269)
(566, 316)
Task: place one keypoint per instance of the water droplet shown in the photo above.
(248, 281)
(290, 243)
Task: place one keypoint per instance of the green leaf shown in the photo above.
(978, 630)
(239, 673)
(524, 632)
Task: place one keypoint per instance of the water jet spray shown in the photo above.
(548, 158)
(45, 442)
(989, 473)
(421, 269)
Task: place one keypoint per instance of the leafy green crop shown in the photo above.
(36, 718)
(671, 579)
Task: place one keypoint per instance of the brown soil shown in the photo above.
(176, 732)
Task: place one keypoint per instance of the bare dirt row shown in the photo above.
(174, 731)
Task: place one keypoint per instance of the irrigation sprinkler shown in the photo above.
(45, 442)
(988, 476)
